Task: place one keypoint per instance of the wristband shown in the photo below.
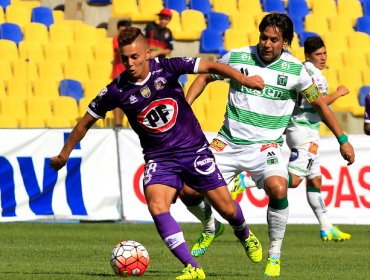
(342, 139)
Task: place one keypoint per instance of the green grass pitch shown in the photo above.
(81, 251)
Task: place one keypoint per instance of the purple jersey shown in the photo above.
(156, 108)
(367, 108)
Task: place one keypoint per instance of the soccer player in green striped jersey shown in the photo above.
(251, 136)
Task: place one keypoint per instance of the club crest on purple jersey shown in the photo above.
(159, 116)
(145, 91)
(159, 83)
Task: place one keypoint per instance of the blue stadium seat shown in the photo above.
(218, 21)
(201, 5)
(99, 2)
(177, 5)
(297, 8)
(273, 6)
(71, 88)
(304, 35)
(11, 31)
(4, 4)
(183, 79)
(363, 92)
(366, 8)
(42, 15)
(298, 23)
(211, 41)
(363, 24)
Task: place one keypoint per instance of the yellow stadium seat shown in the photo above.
(250, 6)
(100, 70)
(8, 122)
(61, 33)
(5, 71)
(324, 8)
(335, 41)
(126, 8)
(58, 16)
(36, 32)
(243, 21)
(350, 8)
(31, 51)
(235, 38)
(332, 78)
(348, 102)
(218, 92)
(81, 52)
(77, 71)
(61, 122)
(51, 70)
(253, 37)
(215, 117)
(39, 107)
(65, 106)
(175, 25)
(366, 76)
(316, 23)
(56, 51)
(205, 93)
(14, 107)
(341, 24)
(18, 14)
(2, 16)
(104, 51)
(229, 7)
(28, 4)
(8, 51)
(198, 108)
(351, 77)
(85, 34)
(355, 58)
(26, 70)
(298, 53)
(148, 9)
(19, 87)
(334, 59)
(46, 88)
(358, 41)
(2, 90)
(193, 23)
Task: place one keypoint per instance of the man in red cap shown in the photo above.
(159, 37)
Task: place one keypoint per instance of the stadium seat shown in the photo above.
(45, 88)
(19, 88)
(304, 35)
(81, 52)
(39, 107)
(358, 41)
(99, 2)
(355, 58)
(218, 21)
(273, 6)
(42, 15)
(65, 106)
(218, 93)
(298, 53)
(58, 16)
(316, 23)
(72, 88)
(26, 70)
(14, 107)
(331, 76)
(350, 8)
(61, 33)
(297, 8)
(51, 70)
(253, 37)
(2, 16)
(11, 31)
(243, 21)
(334, 59)
(5, 72)
(103, 51)
(85, 34)
(325, 8)
(298, 23)
(18, 14)
(4, 4)
(215, 117)
(61, 122)
(100, 70)
(31, 50)
(177, 5)
(203, 6)
(148, 9)
(366, 8)
(8, 121)
(363, 92)
(211, 41)
(93, 88)
(8, 50)
(175, 26)
(351, 77)
(199, 110)
(36, 32)
(235, 38)
(363, 24)
(229, 7)
(193, 23)
(55, 51)
(340, 23)
(335, 41)
(252, 7)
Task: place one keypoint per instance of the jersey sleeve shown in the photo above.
(225, 60)
(102, 103)
(180, 65)
(306, 86)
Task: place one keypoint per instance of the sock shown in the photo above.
(203, 212)
(290, 181)
(317, 204)
(239, 225)
(173, 237)
(277, 218)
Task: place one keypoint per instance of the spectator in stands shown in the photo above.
(173, 143)
(367, 115)
(118, 68)
(159, 37)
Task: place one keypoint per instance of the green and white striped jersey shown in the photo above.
(304, 114)
(261, 116)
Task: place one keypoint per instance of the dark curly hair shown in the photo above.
(280, 21)
(129, 35)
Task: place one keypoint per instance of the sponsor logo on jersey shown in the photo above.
(271, 161)
(217, 145)
(159, 83)
(145, 91)
(293, 154)
(159, 116)
(313, 148)
(282, 80)
(205, 165)
(188, 59)
(268, 146)
(133, 99)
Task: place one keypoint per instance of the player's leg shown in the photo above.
(317, 204)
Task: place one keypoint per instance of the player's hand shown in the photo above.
(57, 162)
(347, 152)
(254, 82)
(342, 90)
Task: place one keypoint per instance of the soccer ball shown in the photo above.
(129, 258)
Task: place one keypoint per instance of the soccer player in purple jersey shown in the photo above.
(175, 148)
(367, 115)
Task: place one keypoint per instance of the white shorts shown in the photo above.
(260, 160)
(304, 155)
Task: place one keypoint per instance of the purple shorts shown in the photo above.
(196, 168)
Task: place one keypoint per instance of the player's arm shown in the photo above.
(330, 98)
(313, 96)
(74, 138)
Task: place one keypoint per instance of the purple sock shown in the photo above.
(173, 237)
(239, 225)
